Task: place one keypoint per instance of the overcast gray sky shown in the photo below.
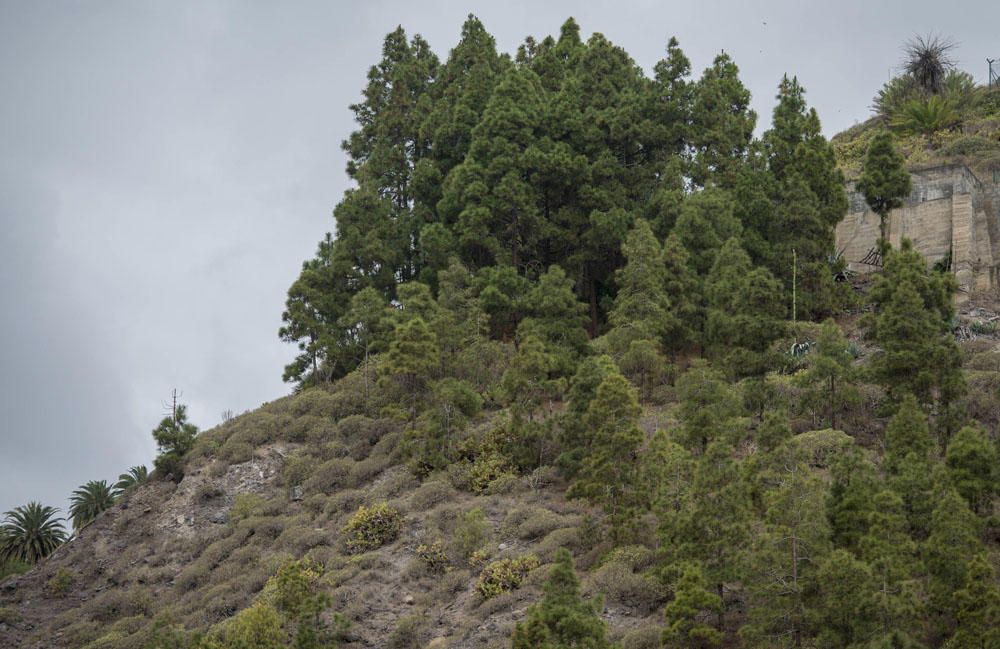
(165, 167)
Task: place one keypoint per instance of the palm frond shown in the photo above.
(30, 533)
(134, 477)
(88, 501)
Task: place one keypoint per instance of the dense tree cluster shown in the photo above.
(529, 173)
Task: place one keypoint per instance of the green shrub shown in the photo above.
(983, 328)
(245, 506)
(364, 472)
(208, 491)
(358, 427)
(300, 539)
(13, 567)
(314, 401)
(236, 451)
(531, 522)
(648, 637)
(409, 632)
(504, 575)
(298, 468)
(430, 493)
(504, 484)
(343, 501)
(471, 533)
(434, 557)
(621, 584)
(116, 603)
(371, 528)
(564, 537)
(331, 475)
(636, 557)
(9, 616)
(118, 634)
(488, 467)
(60, 583)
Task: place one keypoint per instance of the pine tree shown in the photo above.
(707, 406)
(978, 609)
(692, 600)
(952, 544)
(809, 200)
(892, 555)
(499, 220)
(683, 292)
(722, 124)
(608, 476)
(434, 442)
(744, 312)
(412, 360)
(641, 308)
(556, 317)
(526, 384)
(884, 181)
(830, 372)
(852, 492)
(714, 526)
(641, 317)
(576, 437)
(917, 482)
(665, 473)
(316, 301)
(971, 459)
(416, 301)
(706, 222)
(174, 438)
(366, 326)
(911, 324)
(562, 619)
(844, 603)
(906, 433)
(462, 89)
(784, 562)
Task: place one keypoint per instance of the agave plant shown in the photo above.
(926, 116)
(30, 533)
(134, 477)
(88, 501)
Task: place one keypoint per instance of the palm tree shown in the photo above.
(88, 501)
(135, 476)
(30, 533)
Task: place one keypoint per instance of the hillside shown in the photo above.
(281, 482)
(198, 552)
(975, 142)
(580, 369)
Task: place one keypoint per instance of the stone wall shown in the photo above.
(951, 217)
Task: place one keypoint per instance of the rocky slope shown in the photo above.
(197, 552)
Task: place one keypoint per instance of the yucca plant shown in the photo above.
(927, 60)
(134, 477)
(88, 501)
(30, 533)
(926, 116)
